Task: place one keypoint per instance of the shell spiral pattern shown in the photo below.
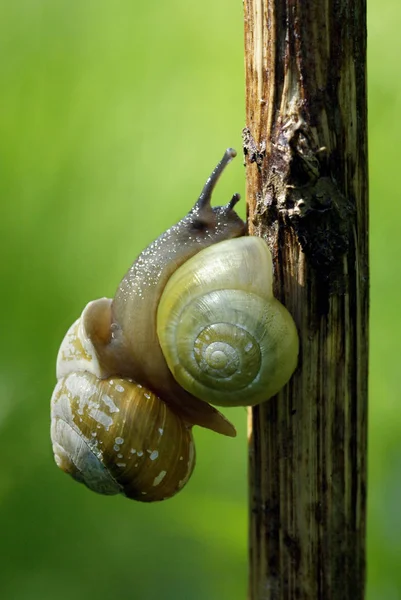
(225, 337)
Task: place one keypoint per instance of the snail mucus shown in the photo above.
(193, 323)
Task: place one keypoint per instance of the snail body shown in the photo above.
(124, 331)
(193, 322)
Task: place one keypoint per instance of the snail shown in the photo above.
(193, 322)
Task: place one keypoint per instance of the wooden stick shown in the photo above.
(305, 150)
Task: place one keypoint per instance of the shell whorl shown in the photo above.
(225, 337)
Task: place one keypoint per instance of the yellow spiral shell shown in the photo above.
(225, 338)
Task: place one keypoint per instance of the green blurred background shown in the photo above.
(111, 116)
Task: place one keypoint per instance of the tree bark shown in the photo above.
(305, 151)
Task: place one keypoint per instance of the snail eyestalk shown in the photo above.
(234, 200)
(206, 194)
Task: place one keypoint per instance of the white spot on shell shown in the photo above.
(110, 404)
(147, 395)
(159, 478)
(132, 450)
(119, 440)
(140, 453)
(119, 455)
(248, 347)
(111, 382)
(161, 430)
(121, 465)
(73, 383)
(102, 418)
(116, 448)
(119, 388)
(154, 455)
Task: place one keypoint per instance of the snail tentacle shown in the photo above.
(206, 194)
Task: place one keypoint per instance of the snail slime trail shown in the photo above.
(193, 323)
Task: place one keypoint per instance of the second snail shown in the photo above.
(193, 323)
